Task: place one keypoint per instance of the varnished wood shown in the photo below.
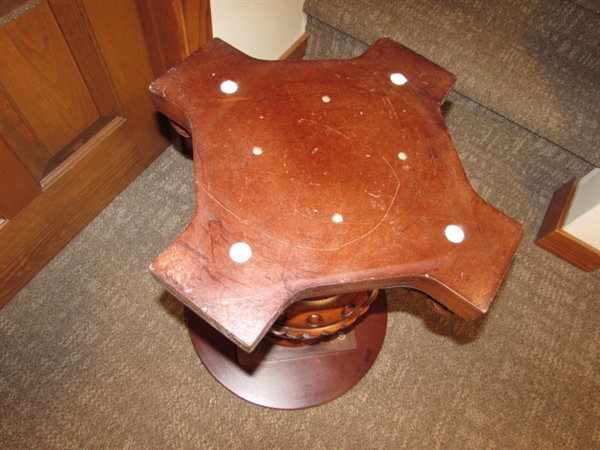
(40, 231)
(79, 34)
(174, 29)
(297, 50)
(41, 76)
(307, 322)
(338, 179)
(198, 23)
(16, 179)
(130, 68)
(553, 238)
(293, 378)
(76, 113)
(557, 209)
(70, 155)
(12, 9)
(18, 134)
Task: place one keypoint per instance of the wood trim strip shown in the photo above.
(21, 138)
(297, 50)
(17, 186)
(70, 154)
(552, 238)
(79, 35)
(198, 23)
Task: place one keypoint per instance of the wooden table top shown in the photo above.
(320, 177)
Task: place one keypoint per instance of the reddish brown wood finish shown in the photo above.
(297, 50)
(309, 321)
(552, 238)
(338, 179)
(76, 123)
(292, 377)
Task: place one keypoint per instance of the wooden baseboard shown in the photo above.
(297, 50)
(555, 240)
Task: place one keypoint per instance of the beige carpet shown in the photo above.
(94, 353)
(536, 62)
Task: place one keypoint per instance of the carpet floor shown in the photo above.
(95, 354)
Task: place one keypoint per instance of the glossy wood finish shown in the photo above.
(174, 29)
(24, 187)
(291, 377)
(297, 50)
(337, 178)
(39, 72)
(76, 122)
(309, 321)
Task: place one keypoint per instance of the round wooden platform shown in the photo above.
(293, 378)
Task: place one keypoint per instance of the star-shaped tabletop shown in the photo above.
(320, 177)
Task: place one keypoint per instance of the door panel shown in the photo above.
(130, 68)
(80, 37)
(18, 135)
(24, 187)
(43, 80)
(76, 121)
(53, 218)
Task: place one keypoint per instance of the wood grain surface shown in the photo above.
(339, 176)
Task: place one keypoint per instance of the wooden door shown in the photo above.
(76, 122)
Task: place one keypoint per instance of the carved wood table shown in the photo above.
(318, 185)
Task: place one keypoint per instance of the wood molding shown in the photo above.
(174, 29)
(69, 166)
(37, 234)
(552, 238)
(130, 67)
(297, 50)
(16, 179)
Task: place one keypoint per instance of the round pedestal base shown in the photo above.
(293, 377)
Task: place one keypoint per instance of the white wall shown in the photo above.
(263, 29)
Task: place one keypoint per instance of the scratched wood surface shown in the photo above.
(330, 176)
